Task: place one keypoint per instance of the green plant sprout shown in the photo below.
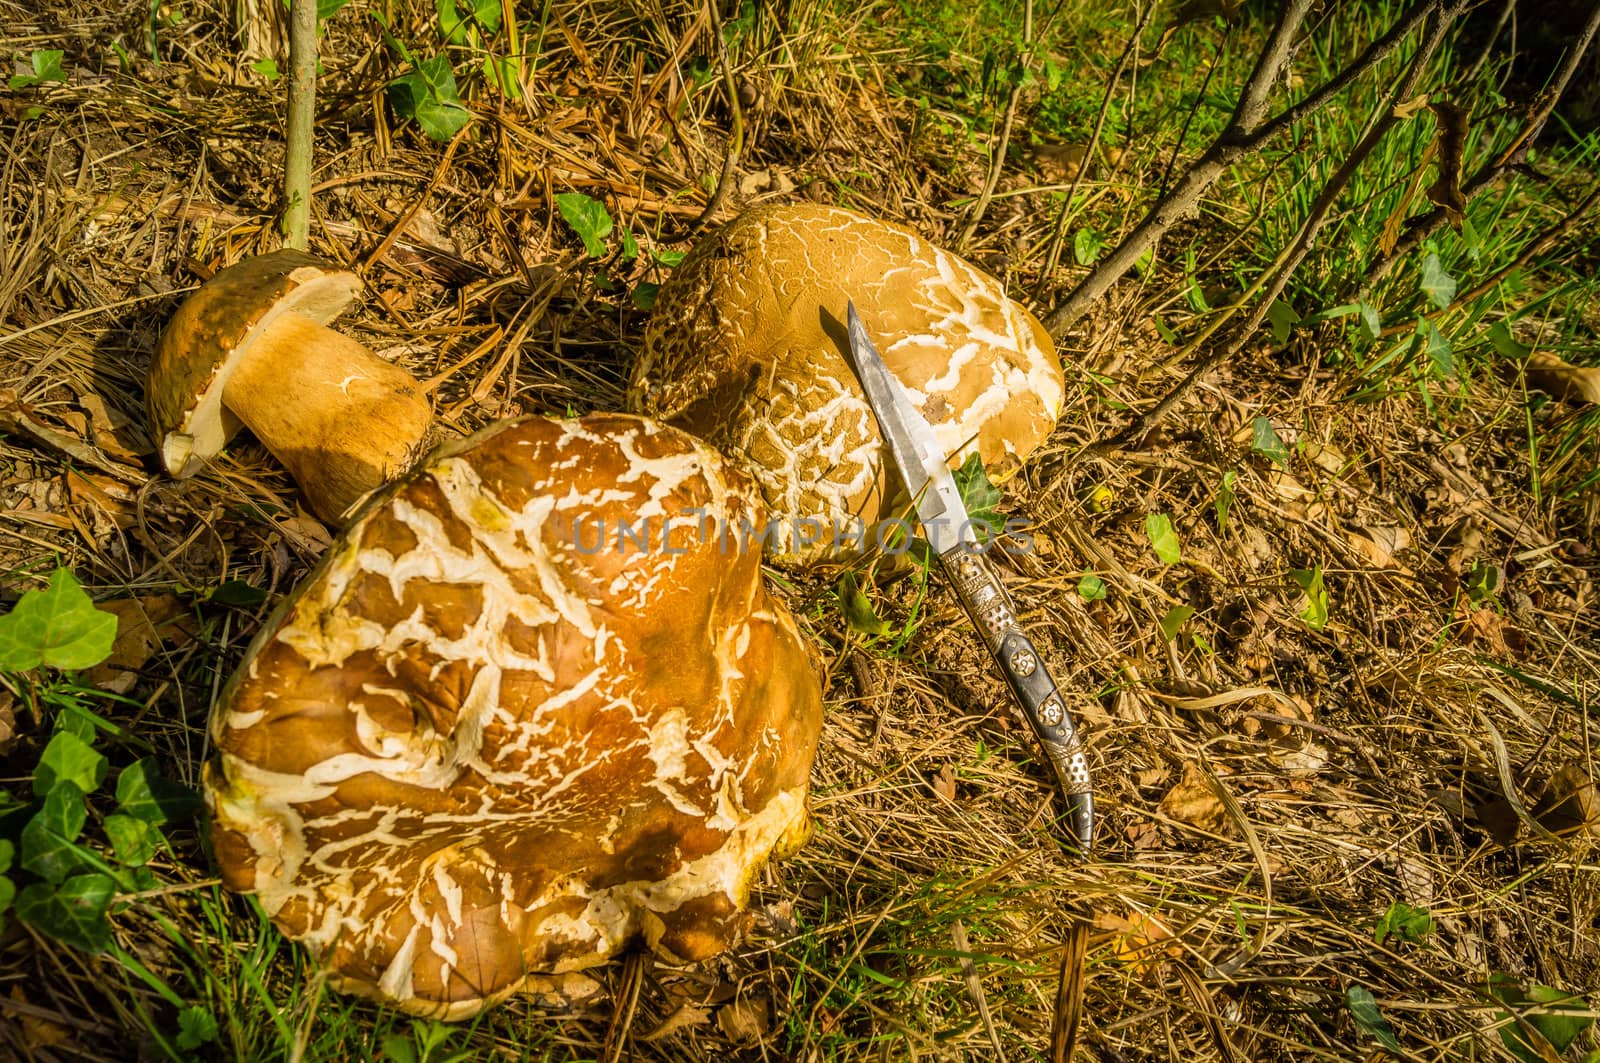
(55, 876)
(1163, 538)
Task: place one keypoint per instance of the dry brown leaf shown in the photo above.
(1390, 236)
(37, 1031)
(1411, 107)
(1057, 163)
(1549, 373)
(1149, 778)
(306, 533)
(8, 719)
(944, 782)
(1327, 457)
(18, 419)
(1139, 940)
(1492, 632)
(745, 1020)
(1377, 544)
(1370, 552)
(768, 180)
(1571, 803)
(685, 1016)
(1298, 499)
(114, 434)
(1499, 820)
(562, 992)
(108, 500)
(1193, 801)
(143, 624)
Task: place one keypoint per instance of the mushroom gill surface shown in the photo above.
(494, 736)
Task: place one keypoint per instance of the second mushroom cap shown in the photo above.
(746, 348)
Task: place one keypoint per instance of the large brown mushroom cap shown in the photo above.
(746, 348)
(212, 328)
(485, 740)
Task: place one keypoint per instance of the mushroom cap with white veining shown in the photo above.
(491, 737)
(746, 347)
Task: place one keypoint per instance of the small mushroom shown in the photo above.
(746, 348)
(532, 705)
(252, 347)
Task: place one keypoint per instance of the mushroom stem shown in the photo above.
(342, 420)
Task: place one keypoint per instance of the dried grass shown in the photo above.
(1249, 841)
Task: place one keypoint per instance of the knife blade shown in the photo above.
(948, 528)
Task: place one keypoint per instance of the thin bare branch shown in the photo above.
(1092, 148)
(1427, 224)
(1385, 118)
(1185, 197)
(1236, 141)
(730, 161)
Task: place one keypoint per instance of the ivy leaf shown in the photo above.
(46, 65)
(1501, 339)
(588, 218)
(1369, 320)
(1403, 922)
(644, 294)
(1163, 538)
(58, 626)
(68, 758)
(397, 1048)
(1086, 246)
(63, 813)
(1092, 588)
(980, 497)
(8, 889)
(73, 912)
(858, 612)
(668, 259)
(1264, 439)
(196, 1027)
(132, 840)
(428, 95)
(47, 839)
(1364, 1009)
(451, 25)
(143, 794)
(236, 592)
(630, 246)
(1315, 613)
(1370, 324)
(1173, 622)
(1283, 319)
(1437, 284)
(1224, 501)
(1437, 347)
(1562, 1017)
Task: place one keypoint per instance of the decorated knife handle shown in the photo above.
(986, 601)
